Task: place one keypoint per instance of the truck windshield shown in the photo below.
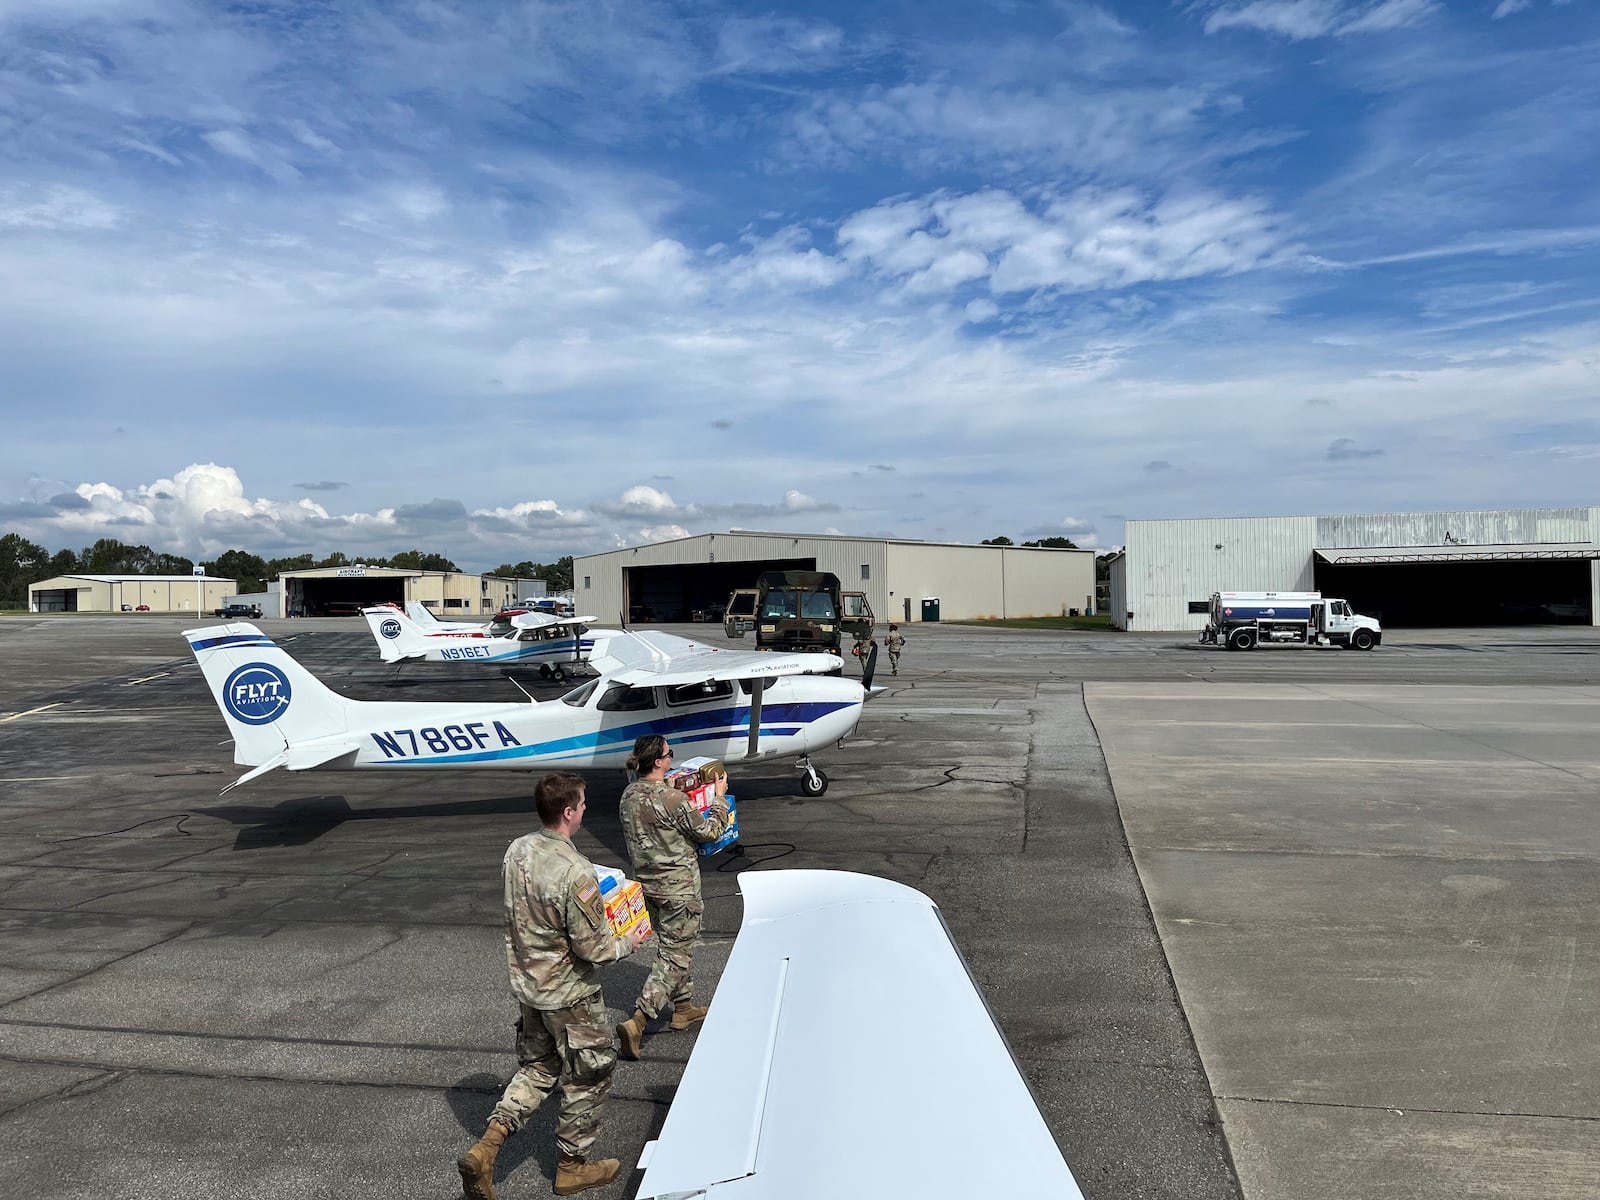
(780, 604)
(817, 605)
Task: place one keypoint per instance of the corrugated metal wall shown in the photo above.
(971, 581)
(1119, 591)
(1497, 528)
(1170, 563)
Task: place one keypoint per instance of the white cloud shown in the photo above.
(1302, 19)
(56, 207)
(1506, 7)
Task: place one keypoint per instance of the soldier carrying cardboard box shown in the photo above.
(662, 826)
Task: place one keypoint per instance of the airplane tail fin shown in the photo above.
(418, 612)
(397, 635)
(269, 701)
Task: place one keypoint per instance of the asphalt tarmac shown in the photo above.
(1330, 935)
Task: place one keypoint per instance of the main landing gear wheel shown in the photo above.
(558, 674)
(544, 670)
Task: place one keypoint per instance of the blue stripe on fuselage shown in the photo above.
(705, 725)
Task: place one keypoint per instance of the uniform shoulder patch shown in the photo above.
(588, 892)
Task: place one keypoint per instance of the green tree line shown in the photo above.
(23, 562)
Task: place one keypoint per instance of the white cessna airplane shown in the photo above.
(553, 644)
(729, 704)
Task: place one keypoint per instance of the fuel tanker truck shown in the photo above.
(1243, 620)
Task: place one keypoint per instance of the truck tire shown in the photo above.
(1243, 639)
(1362, 639)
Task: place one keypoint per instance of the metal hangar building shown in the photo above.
(124, 593)
(343, 591)
(1500, 567)
(904, 580)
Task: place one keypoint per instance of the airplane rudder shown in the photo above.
(267, 697)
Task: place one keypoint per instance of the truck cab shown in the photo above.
(1336, 622)
(798, 611)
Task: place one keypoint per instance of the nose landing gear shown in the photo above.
(812, 781)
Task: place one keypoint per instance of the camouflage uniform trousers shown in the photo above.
(570, 1046)
(894, 661)
(676, 923)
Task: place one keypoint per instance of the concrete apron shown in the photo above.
(1380, 906)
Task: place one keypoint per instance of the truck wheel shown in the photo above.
(1362, 639)
(1243, 639)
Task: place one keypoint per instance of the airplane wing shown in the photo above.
(658, 659)
(848, 1052)
(538, 620)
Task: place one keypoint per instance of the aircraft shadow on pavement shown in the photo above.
(304, 819)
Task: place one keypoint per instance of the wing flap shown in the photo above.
(843, 1018)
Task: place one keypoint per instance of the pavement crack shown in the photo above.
(1402, 1110)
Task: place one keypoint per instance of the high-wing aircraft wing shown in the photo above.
(538, 620)
(848, 1052)
(651, 658)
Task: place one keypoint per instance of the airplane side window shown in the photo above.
(698, 693)
(627, 699)
(578, 697)
(528, 635)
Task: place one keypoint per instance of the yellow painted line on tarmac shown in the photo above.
(31, 711)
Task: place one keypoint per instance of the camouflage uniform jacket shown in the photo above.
(895, 641)
(662, 826)
(556, 927)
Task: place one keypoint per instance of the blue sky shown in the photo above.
(513, 280)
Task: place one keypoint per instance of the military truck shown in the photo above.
(799, 610)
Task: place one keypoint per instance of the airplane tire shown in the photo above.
(813, 785)
(557, 674)
(544, 670)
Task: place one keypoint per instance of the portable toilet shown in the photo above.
(930, 608)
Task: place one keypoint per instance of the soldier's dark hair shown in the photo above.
(557, 792)
(645, 752)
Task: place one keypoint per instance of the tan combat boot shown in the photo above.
(477, 1165)
(577, 1174)
(686, 1014)
(631, 1034)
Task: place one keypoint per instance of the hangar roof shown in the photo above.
(1524, 552)
(148, 578)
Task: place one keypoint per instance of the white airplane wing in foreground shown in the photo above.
(665, 660)
(848, 1052)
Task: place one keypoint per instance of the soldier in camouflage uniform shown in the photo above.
(556, 934)
(661, 826)
(894, 643)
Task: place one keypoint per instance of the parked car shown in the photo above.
(142, 608)
(246, 611)
(341, 609)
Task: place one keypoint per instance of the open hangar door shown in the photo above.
(679, 591)
(332, 597)
(1462, 591)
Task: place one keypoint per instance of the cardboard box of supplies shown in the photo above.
(624, 901)
(707, 849)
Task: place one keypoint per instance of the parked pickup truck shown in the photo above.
(244, 611)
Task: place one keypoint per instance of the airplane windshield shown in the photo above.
(579, 696)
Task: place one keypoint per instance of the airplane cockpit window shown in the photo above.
(530, 635)
(578, 697)
(818, 606)
(626, 699)
(697, 693)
